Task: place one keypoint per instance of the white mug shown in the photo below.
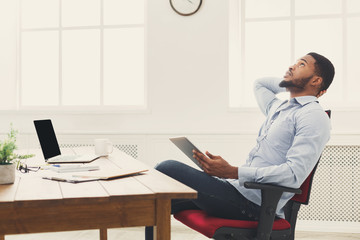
(103, 147)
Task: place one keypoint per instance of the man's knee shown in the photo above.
(167, 166)
(177, 170)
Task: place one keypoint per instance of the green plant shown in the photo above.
(7, 148)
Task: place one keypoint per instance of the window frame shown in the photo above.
(237, 23)
(60, 108)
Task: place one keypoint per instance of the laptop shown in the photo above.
(50, 147)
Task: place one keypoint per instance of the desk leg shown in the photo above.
(163, 212)
(103, 234)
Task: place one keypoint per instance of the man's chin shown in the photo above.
(286, 84)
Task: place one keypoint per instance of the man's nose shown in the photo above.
(291, 67)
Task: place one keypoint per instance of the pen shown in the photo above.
(59, 179)
(68, 165)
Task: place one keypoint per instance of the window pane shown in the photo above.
(353, 53)
(235, 69)
(353, 6)
(266, 8)
(81, 67)
(124, 66)
(39, 68)
(267, 53)
(89, 10)
(123, 12)
(40, 13)
(313, 7)
(324, 37)
(234, 54)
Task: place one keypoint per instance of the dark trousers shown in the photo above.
(216, 196)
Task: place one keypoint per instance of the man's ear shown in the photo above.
(317, 81)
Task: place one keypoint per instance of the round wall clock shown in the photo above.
(185, 7)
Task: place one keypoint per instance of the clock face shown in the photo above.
(185, 7)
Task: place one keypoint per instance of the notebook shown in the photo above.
(94, 175)
(50, 147)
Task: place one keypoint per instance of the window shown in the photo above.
(267, 36)
(87, 53)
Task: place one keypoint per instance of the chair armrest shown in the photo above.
(263, 186)
(270, 196)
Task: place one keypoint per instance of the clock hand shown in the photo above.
(190, 1)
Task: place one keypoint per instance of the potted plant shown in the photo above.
(9, 159)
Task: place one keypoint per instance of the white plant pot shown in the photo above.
(7, 174)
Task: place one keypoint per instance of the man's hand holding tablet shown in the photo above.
(215, 165)
(211, 164)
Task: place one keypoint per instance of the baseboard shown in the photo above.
(328, 226)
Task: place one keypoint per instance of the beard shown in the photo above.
(295, 83)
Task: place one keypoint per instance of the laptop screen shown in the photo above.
(47, 138)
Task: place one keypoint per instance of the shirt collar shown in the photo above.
(304, 100)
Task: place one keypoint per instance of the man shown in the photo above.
(289, 144)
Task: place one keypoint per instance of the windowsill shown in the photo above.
(80, 110)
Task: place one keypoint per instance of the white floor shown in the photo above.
(177, 233)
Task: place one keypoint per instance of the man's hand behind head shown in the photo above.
(321, 93)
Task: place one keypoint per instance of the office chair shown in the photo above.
(264, 229)
(267, 227)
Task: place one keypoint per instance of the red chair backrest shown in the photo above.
(304, 197)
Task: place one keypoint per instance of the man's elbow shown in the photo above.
(258, 83)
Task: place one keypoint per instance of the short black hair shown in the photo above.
(324, 69)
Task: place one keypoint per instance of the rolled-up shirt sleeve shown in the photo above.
(246, 174)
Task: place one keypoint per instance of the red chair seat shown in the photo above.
(202, 222)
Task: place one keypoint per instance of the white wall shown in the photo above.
(8, 28)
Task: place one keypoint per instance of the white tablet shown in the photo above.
(186, 147)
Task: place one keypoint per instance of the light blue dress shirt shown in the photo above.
(289, 142)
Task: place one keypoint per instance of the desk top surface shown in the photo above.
(30, 188)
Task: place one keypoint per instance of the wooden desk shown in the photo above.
(34, 205)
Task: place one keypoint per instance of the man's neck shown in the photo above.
(294, 94)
